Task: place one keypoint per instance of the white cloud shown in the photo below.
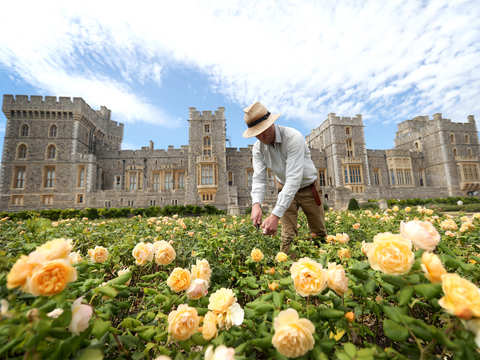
(390, 60)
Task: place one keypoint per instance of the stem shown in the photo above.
(120, 345)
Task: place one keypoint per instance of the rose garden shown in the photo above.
(393, 284)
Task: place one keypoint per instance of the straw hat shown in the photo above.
(258, 119)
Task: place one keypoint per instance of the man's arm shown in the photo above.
(259, 184)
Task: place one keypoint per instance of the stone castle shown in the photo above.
(60, 153)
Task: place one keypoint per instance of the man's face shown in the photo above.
(268, 136)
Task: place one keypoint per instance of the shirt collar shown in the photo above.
(278, 135)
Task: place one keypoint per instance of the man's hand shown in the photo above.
(270, 225)
(256, 214)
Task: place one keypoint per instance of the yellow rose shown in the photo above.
(256, 255)
(293, 336)
(183, 322)
(391, 254)
(221, 300)
(461, 296)
(408, 209)
(99, 254)
(308, 277)
(51, 278)
(273, 286)
(179, 280)
(466, 226)
(220, 353)
(209, 328)
(51, 250)
(336, 278)
(202, 270)
(432, 267)
(281, 257)
(20, 272)
(164, 252)
(143, 253)
(422, 234)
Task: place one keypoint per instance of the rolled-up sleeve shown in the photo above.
(259, 178)
(293, 174)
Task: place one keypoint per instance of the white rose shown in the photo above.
(81, 315)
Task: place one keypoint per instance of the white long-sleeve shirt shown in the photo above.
(289, 158)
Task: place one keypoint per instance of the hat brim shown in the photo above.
(261, 127)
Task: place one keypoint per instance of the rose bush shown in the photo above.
(369, 297)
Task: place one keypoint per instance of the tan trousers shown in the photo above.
(315, 216)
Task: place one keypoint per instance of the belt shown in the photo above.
(312, 186)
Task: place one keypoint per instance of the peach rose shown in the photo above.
(81, 315)
(350, 316)
(202, 270)
(99, 254)
(281, 257)
(220, 353)
(273, 286)
(449, 224)
(256, 255)
(391, 254)
(20, 272)
(466, 226)
(179, 280)
(461, 296)
(221, 300)
(54, 314)
(209, 328)
(308, 276)
(342, 238)
(123, 271)
(51, 278)
(432, 267)
(197, 289)
(183, 322)
(164, 252)
(336, 278)
(293, 336)
(344, 254)
(330, 238)
(366, 247)
(234, 315)
(143, 253)
(422, 234)
(75, 258)
(51, 250)
(356, 226)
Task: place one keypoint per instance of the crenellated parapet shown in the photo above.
(195, 115)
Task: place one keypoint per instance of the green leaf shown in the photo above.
(361, 274)
(90, 354)
(394, 330)
(341, 355)
(428, 290)
(394, 280)
(330, 314)
(405, 295)
(350, 349)
(100, 327)
(107, 290)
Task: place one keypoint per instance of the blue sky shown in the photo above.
(150, 61)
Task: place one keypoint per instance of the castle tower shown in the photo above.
(342, 139)
(49, 153)
(207, 171)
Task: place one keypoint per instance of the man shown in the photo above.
(284, 151)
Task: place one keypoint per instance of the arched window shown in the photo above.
(469, 151)
(454, 152)
(22, 151)
(24, 131)
(467, 139)
(53, 131)
(51, 152)
(452, 139)
(206, 141)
